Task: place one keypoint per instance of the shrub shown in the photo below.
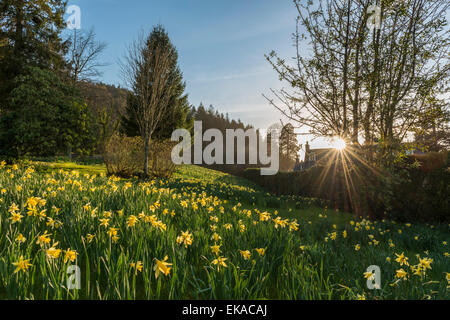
(419, 189)
(160, 161)
(124, 156)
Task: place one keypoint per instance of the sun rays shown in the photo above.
(338, 143)
(347, 170)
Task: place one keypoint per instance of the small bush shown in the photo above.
(124, 156)
(160, 161)
(419, 190)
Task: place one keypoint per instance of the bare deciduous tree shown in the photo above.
(84, 54)
(145, 69)
(353, 81)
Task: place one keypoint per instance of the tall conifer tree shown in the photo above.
(29, 37)
(178, 109)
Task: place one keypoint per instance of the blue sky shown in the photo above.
(221, 46)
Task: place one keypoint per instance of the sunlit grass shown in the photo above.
(82, 168)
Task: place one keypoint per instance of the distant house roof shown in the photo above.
(313, 156)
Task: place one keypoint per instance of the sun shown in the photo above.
(338, 144)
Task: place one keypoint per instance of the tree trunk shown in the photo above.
(345, 70)
(69, 153)
(146, 153)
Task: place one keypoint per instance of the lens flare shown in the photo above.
(338, 144)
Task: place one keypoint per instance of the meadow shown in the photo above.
(199, 235)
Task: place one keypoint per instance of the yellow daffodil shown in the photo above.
(53, 252)
(104, 222)
(261, 251)
(400, 273)
(228, 226)
(245, 254)
(369, 275)
(138, 266)
(418, 270)
(90, 237)
(113, 232)
(425, 263)
(215, 249)
(22, 264)
(16, 217)
(293, 226)
(401, 259)
(184, 204)
(70, 255)
(107, 214)
(131, 221)
(43, 239)
(13, 208)
(186, 238)
(20, 238)
(162, 267)
(216, 237)
(220, 261)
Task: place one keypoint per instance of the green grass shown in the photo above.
(303, 263)
(82, 168)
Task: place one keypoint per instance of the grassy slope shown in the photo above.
(82, 168)
(200, 174)
(323, 267)
(191, 174)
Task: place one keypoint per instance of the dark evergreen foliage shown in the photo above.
(30, 35)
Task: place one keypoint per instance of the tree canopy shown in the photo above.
(361, 81)
(177, 110)
(30, 35)
(46, 116)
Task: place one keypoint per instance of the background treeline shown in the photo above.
(211, 118)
